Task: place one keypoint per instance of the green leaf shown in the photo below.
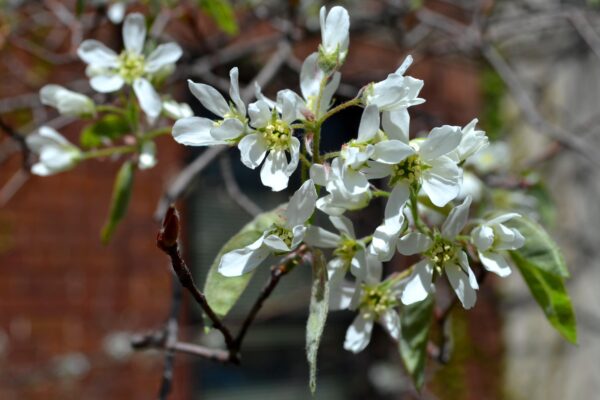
(539, 249)
(415, 321)
(110, 126)
(319, 305)
(120, 200)
(549, 291)
(223, 292)
(222, 13)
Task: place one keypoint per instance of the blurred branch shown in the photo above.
(20, 140)
(234, 190)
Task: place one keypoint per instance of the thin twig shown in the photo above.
(277, 272)
(20, 140)
(167, 241)
(157, 340)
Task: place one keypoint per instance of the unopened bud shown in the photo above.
(169, 232)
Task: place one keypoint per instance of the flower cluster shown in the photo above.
(416, 176)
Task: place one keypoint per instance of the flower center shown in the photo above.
(278, 135)
(347, 249)
(284, 234)
(442, 252)
(131, 66)
(376, 300)
(408, 170)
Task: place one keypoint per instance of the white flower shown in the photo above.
(339, 199)
(272, 140)
(109, 71)
(374, 300)
(442, 254)
(350, 253)
(335, 37)
(471, 142)
(492, 237)
(494, 158)
(279, 239)
(311, 77)
(66, 101)
(395, 93)
(425, 165)
(175, 110)
(56, 154)
(232, 122)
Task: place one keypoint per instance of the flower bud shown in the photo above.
(66, 101)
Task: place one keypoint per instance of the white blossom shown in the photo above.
(442, 254)
(227, 129)
(108, 71)
(56, 154)
(349, 252)
(147, 158)
(278, 239)
(335, 37)
(66, 101)
(272, 140)
(374, 301)
(493, 237)
(471, 142)
(311, 76)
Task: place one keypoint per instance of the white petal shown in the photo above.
(302, 204)
(391, 151)
(414, 243)
(336, 270)
(272, 173)
(275, 243)
(355, 182)
(231, 128)
(194, 131)
(319, 174)
(384, 241)
(358, 265)
(374, 269)
(495, 263)
(462, 287)
(41, 170)
(418, 284)
(335, 33)
(116, 12)
(509, 242)
(344, 225)
(441, 182)
(106, 83)
(328, 92)
(319, 237)
(298, 232)
(375, 170)
(234, 91)
(287, 101)
(294, 156)
(210, 98)
(358, 334)
(310, 76)
(147, 97)
(440, 141)
(260, 114)
(45, 136)
(163, 55)
(482, 237)
(463, 261)
(390, 320)
(396, 124)
(134, 32)
(369, 124)
(253, 149)
(340, 295)
(395, 205)
(95, 53)
(405, 65)
(503, 218)
(239, 262)
(457, 219)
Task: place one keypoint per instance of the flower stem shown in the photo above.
(157, 132)
(332, 154)
(111, 151)
(353, 102)
(415, 210)
(381, 193)
(111, 109)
